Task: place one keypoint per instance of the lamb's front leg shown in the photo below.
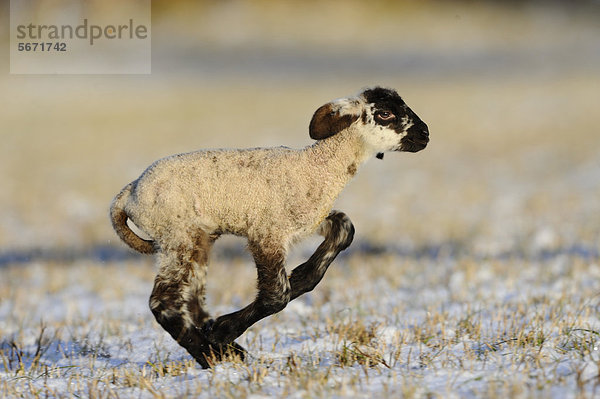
(338, 232)
(273, 296)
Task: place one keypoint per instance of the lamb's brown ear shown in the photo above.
(326, 122)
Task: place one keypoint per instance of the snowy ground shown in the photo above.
(378, 325)
(475, 270)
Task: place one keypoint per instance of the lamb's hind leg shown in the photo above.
(177, 300)
(338, 232)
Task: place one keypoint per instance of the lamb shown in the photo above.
(274, 197)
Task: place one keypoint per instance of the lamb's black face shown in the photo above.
(389, 110)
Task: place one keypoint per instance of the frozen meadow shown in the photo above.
(475, 270)
(378, 326)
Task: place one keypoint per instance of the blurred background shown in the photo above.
(510, 91)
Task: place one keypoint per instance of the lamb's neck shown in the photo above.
(336, 159)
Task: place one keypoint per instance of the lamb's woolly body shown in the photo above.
(272, 196)
(265, 194)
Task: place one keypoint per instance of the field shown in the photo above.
(475, 270)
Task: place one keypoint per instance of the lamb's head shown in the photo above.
(378, 115)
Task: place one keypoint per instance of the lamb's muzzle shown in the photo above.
(273, 197)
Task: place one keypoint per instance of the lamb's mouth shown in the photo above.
(413, 144)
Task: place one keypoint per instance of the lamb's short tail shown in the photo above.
(118, 217)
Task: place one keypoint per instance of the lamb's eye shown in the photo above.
(384, 116)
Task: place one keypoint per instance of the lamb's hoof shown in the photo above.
(202, 360)
(216, 352)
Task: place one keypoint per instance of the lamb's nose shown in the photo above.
(425, 130)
